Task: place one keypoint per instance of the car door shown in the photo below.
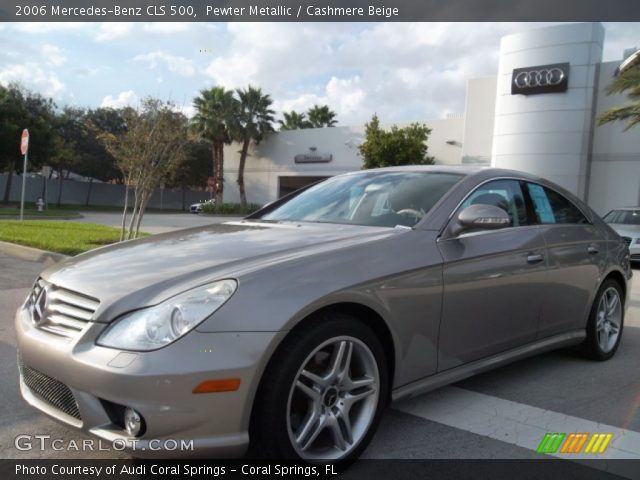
(576, 258)
(493, 281)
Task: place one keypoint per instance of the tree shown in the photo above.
(197, 160)
(68, 133)
(398, 146)
(629, 82)
(320, 116)
(96, 161)
(252, 122)
(294, 121)
(21, 109)
(215, 109)
(148, 152)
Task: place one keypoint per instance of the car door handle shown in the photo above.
(534, 258)
(592, 249)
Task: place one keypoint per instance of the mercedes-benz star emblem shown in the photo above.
(39, 306)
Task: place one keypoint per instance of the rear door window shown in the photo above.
(553, 208)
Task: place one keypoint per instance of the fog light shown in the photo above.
(133, 422)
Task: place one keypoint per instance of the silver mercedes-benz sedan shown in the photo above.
(626, 222)
(292, 329)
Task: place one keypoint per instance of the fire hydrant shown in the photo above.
(40, 204)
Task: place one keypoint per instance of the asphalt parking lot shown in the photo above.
(500, 414)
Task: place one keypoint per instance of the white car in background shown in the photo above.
(626, 222)
(197, 207)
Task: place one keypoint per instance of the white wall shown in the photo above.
(615, 167)
(275, 157)
(480, 110)
(549, 134)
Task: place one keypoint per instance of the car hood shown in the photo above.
(143, 272)
(626, 230)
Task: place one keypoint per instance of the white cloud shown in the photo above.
(34, 77)
(233, 72)
(54, 56)
(166, 27)
(124, 99)
(179, 65)
(109, 31)
(344, 95)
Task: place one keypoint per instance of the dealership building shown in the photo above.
(538, 114)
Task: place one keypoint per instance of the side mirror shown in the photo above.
(480, 217)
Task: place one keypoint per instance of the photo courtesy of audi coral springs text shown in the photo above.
(291, 330)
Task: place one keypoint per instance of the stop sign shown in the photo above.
(24, 142)
(211, 182)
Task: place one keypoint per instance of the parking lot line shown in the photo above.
(516, 423)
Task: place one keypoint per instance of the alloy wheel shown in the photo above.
(608, 319)
(333, 399)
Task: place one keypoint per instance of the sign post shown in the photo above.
(24, 149)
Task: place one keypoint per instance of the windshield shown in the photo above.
(383, 199)
(626, 217)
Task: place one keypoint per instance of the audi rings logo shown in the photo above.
(540, 79)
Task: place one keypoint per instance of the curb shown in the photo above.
(32, 254)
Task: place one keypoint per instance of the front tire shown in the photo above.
(606, 321)
(323, 393)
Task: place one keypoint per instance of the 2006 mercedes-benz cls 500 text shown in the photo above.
(292, 329)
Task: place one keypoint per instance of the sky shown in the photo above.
(401, 71)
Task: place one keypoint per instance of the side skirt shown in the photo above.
(470, 369)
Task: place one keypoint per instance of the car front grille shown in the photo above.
(60, 311)
(49, 390)
(627, 240)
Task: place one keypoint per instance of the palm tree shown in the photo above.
(627, 81)
(215, 109)
(253, 119)
(294, 121)
(321, 116)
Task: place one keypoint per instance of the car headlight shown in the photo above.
(155, 327)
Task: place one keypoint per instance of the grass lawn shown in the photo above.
(69, 238)
(32, 212)
(101, 208)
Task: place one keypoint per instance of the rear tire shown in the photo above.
(323, 393)
(606, 322)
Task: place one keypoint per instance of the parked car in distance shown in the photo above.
(292, 329)
(197, 207)
(626, 222)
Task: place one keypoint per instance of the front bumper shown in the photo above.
(634, 250)
(157, 384)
